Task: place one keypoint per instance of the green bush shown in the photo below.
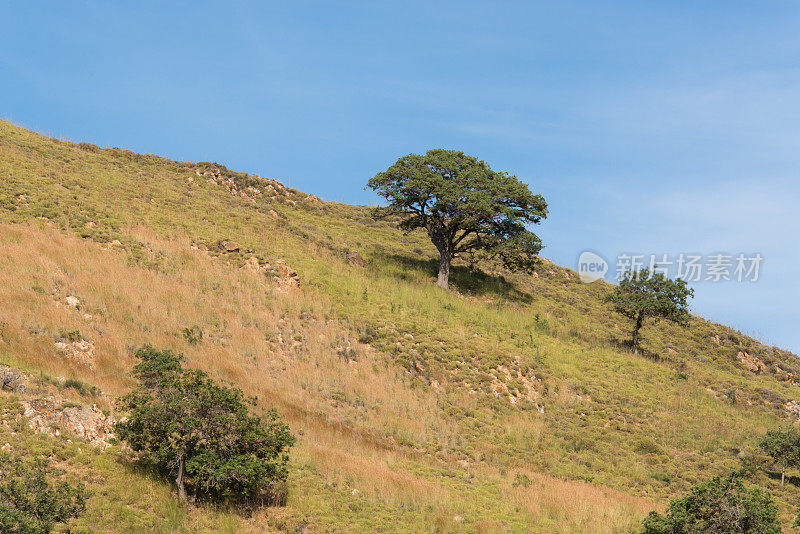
(185, 425)
(30, 502)
(722, 505)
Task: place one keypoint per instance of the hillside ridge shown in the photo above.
(511, 403)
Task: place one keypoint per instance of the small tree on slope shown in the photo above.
(783, 447)
(201, 433)
(723, 505)
(640, 295)
(464, 206)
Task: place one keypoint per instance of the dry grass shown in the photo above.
(568, 506)
(351, 407)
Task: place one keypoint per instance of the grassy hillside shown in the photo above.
(508, 404)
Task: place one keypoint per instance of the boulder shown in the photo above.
(229, 246)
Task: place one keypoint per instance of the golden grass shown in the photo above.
(350, 406)
(568, 506)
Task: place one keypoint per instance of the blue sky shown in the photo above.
(650, 127)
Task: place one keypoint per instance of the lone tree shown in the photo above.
(723, 505)
(465, 207)
(783, 447)
(184, 424)
(32, 501)
(641, 294)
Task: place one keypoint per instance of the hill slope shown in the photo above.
(509, 404)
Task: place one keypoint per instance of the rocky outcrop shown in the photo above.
(81, 351)
(287, 277)
(48, 412)
(50, 416)
(753, 363)
(12, 380)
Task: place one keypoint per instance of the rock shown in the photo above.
(751, 362)
(354, 258)
(287, 275)
(90, 424)
(715, 339)
(792, 408)
(535, 275)
(12, 380)
(253, 264)
(80, 351)
(72, 301)
(229, 246)
(6, 447)
(116, 243)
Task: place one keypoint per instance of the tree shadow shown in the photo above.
(626, 344)
(794, 480)
(462, 278)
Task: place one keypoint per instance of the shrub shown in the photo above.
(185, 425)
(82, 387)
(722, 505)
(30, 503)
(193, 335)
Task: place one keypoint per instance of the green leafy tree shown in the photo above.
(31, 501)
(641, 294)
(783, 447)
(202, 433)
(465, 207)
(722, 505)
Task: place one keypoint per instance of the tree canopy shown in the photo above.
(465, 207)
(783, 446)
(722, 505)
(642, 294)
(202, 433)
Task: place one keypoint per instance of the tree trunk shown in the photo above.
(179, 480)
(444, 270)
(636, 328)
(783, 475)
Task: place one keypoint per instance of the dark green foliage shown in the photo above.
(641, 294)
(31, 502)
(184, 424)
(193, 335)
(73, 336)
(465, 207)
(783, 447)
(722, 505)
(82, 387)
